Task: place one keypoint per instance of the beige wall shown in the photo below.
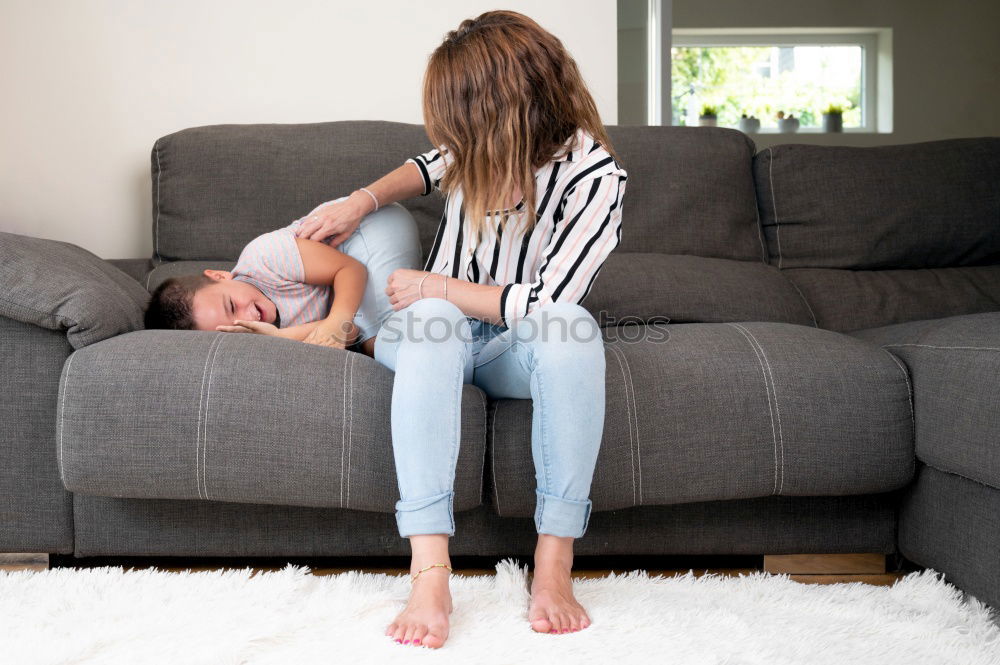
(946, 58)
(89, 85)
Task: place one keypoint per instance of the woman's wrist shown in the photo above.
(440, 286)
(365, 203)
(432, 285)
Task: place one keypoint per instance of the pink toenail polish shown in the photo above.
(406, 642)
(416, 641)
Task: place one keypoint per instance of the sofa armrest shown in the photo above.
(137, 269)
(36, 512)
(954, 367)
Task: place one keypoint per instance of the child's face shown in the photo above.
(226, 300)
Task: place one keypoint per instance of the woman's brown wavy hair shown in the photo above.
(501, 95)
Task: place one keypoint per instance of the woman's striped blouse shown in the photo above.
(579, 206)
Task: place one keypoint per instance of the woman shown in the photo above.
(498, 303)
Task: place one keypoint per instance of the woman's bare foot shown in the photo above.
(424, 621)
(553, 607)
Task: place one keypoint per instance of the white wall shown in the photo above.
(946, 59)
(89, 85)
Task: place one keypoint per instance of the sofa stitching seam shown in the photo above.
(956, 348)
(632, 409)
(350, 430)
(770, 409)
(628, 413)
(774, 202)
(808, 306)
(913, 418)
(201, 406)
(760, 229)
(777, 407)
(482, 467)
(156, 149)
(343, 427)
(958, 474)
(208, 401)
(62, 416)
(493, 456)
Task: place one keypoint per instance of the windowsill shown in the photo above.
(803, 130)
(817, 130)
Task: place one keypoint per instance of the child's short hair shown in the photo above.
(171, 304)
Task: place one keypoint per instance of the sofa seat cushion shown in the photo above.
(61, 286)
(954, 365)
(718, 411)
(237, 417)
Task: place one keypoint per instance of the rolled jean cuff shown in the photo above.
(432, 514)
(561, 517)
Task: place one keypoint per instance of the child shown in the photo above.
(283, 285)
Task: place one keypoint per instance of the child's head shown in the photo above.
(205, 300)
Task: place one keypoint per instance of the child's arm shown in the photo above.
(323, 264)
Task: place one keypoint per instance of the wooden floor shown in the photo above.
(584, 567)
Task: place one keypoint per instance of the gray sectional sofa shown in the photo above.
(803, 356)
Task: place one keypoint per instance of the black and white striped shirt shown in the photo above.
(579, 206)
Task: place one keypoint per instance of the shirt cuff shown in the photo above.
(514, 302)
(428, 186)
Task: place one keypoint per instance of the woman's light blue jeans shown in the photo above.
(554, 356)
(385, 240)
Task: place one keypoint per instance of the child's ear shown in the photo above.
(218, 275)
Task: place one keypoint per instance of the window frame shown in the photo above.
(867, 39)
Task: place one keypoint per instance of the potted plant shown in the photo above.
(789, 124)
(749, 125)
(709, 116)
(833, 118)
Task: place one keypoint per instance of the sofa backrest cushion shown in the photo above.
(61, 286)
(920, 205)
(846, 300)
(216, 187)
(690, 191)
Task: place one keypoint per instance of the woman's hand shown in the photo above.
(247, 326)
(403, 283)
(339, 218)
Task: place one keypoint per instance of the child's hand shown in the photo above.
(335, 334)
(245, 326)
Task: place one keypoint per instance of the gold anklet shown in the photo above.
(433, 565)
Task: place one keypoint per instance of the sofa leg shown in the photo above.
(825, 564)
(26, 561)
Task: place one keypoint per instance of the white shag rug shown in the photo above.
(110, 615)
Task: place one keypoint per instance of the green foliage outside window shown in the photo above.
(763, 80)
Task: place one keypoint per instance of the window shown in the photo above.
(762, 73)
